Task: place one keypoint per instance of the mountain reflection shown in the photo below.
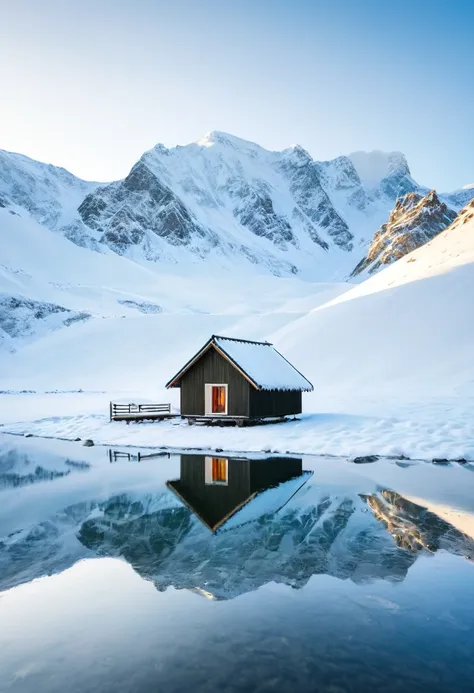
(258, 536)
(228, 525)
(20, 469)
(415, 528)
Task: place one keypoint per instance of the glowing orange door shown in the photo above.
(218, 399)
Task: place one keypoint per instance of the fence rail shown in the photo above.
(135, 412)
(115, 455)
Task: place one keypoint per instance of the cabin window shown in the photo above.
(216, 399)
(216, 472)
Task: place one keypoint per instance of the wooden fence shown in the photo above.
(138, 412)
(115, 455)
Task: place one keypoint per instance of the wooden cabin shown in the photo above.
(239, 379)
(216, 488)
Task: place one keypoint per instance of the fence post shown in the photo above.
(110, 410)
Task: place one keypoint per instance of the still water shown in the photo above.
(156, 572)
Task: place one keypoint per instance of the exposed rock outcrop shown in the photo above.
(414, 221)
(123, 212)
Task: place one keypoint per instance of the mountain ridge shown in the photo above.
(223, 199)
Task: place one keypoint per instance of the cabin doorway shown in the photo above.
(215, 399)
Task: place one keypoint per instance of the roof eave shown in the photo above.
(175, 381)
(286, 389)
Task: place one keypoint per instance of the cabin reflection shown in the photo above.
(215, 488)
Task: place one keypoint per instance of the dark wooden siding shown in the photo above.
(213, 503)
(272, 471)
(213, 368)
(274, 402)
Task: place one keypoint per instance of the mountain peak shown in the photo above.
(374, 166)
(226, 139)
(297, 152)
(432, 198)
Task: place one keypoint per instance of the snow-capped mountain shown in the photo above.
(221, 199)
(228, 197)
(414, 221)
(224, 200)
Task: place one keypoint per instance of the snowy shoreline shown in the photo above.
(416, 430)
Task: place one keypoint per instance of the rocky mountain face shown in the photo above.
(225, 195)
(225, 200)
(414, 221)
(122, 212)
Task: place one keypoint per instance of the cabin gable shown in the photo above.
(212, 368)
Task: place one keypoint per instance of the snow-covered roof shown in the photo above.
(259, 362)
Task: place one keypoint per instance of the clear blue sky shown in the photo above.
(90, 85)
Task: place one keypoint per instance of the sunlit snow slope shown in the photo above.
(408, 330)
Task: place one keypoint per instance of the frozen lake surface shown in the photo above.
(205, 572)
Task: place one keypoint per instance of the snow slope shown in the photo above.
(390, 360)
(407, 330)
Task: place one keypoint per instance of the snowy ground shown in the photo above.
(419, 430)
